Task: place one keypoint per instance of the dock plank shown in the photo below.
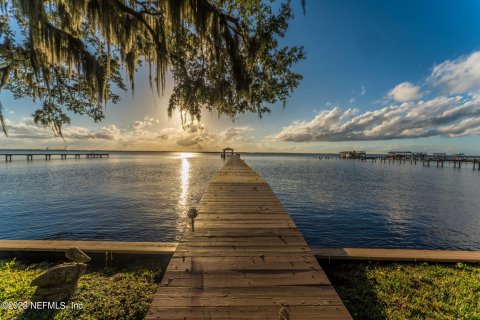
(245, 260)
(89, 246)
(397, 255)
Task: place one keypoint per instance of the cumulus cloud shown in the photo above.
(235, 133)
(189, 141)
(455, 113)
(140, 125)
(405, 91)
(139, 133)
(194, 127)
(196, 135)
(459, 75)
(446, 116)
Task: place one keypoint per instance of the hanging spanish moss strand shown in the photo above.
(56, 26)
(2, 121)
(223, 54)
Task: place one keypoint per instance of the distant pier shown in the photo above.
(438, 162)
(48, 155)
(403, 157)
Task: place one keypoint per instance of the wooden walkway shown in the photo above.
(89, 246)
(168, 248)
(245, 260)
(397, 255)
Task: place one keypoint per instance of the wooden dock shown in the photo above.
(245, 260)
(48, 155)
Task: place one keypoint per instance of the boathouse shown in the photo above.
(352, 154)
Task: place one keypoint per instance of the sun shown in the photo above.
(185, 155)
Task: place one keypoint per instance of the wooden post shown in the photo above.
(192, 214)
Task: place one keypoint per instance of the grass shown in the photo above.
(375, 290)
(104, 294)
(370, 290)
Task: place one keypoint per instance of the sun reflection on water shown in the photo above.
(184, 181)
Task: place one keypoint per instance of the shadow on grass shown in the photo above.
(355, 288)
(31, 314)
(123, 290)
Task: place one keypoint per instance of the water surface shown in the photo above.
(335, 203)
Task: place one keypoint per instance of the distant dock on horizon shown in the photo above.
(415, 157)
(55, 153)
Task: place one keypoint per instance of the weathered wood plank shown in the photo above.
(89, 246)
(397, 254)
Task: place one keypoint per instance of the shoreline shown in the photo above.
(168, 248)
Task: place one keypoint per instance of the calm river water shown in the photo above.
(335, 203)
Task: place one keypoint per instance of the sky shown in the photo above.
(379, 76)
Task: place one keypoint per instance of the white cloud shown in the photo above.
(458, 76)
(405, 91)
(139, 134)
(140, 125)
(234, 133)
(446, 116)
(455, 114)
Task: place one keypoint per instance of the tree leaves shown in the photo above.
(223, 54)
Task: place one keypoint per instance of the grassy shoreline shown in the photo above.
(370, 290)
(394, 290)
(107, 293)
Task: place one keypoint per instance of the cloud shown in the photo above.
(445, 116)
(194, 127)
(196, 135)
(140, 125)
(458, 76)
(234, 133)
(139, 134)
(455, 113)
(405, 91)
(188, 141)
